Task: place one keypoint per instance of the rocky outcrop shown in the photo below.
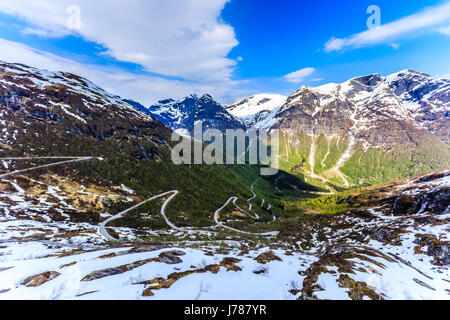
(40, 279)
(267, 257)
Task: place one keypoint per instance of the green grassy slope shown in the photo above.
(365, 166)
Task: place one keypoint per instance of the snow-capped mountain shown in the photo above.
(394, 125)
(426, 98)
(364, 103)
(383, 242)
(368, 129)
(181, 115)
(408, 93)
(36, 106)
(257, 108)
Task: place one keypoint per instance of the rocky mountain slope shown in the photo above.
(369, 129)
(181, 115)
(44, 114)
(426, 98)
(36, 106)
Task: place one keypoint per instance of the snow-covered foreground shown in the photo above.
(257, 281)
(397, 249)
(34, 270)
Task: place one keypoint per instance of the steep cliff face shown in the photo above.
(368, 129)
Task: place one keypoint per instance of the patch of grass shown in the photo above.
(324, 205)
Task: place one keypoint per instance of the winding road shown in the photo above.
(104, 233)
(102, 228)
(254, 196)
(216, 220)
(74, 159)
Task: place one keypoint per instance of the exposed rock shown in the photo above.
(384, 234)
(423, 284)
(68, 265)
(86, 293)
(116, 270)
(39, 279)
(260, 271)
(358, 290)
(161, 283)
(267, 257)
(171, 257)
(438, 249)
(294, 292)
(405, 205)
(432, 177)
(436, 202)
(230, 264)
(343, 258)
(109, 255)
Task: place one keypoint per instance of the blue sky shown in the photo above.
(151, 49)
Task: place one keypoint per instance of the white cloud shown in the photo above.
(40, 32)
(182, 38)
(444, 30)
(143, 88)
(422, 21)
(299, 75)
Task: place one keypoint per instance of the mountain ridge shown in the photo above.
(361, 130)
(397, 125)
(182, 114)
(369, 129)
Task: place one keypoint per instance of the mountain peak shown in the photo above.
(207, 97)
(368, 80)
(406, 74)
(183, 113)
(253, 109)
